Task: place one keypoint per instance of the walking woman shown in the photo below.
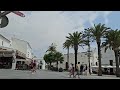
(72, 71)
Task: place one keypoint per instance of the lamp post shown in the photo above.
(4, 20)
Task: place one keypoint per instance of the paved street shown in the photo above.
(42, 74)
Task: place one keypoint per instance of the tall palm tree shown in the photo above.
(75, 40)
(97, 32)
(66, 45)
(113, 42)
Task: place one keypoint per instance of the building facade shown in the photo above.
(40, 63)
(22, 46)
(24, 50)
(82, 57)
(107, 56)
(4, 41)
(6, 53)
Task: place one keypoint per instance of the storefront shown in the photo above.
(6, 58)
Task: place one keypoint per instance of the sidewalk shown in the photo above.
(95, 76)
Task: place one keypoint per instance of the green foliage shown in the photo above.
(112, 40)
(52, 48)
(98, 31)
(75, 39)
(66, 44)
(49, 58)
(53, 55)
(59, 57)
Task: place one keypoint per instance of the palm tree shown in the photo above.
(97, 32)
(52, 48)
(113, 42)
(75, 40)
(66, 45)
(58, 58)
(49, 58)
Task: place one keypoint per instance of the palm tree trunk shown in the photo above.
(99, 59)
(68, 58)
(75, 59)
(117, 63)
(50, 64)
(57, 64)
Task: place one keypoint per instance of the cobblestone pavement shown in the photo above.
(44, 74)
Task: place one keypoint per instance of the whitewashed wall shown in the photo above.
(43, 62)
(19, 45)
(109, 55)
(81, 57)
(4, 42)
(29, 52)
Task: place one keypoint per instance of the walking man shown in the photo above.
(81, 69)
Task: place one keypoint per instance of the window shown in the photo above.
(28, 54)
(2, 43)
(40, 62)
(111, 62)
(96, 63)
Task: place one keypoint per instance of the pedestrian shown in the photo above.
(34, 66)
(78, 70)
(81, 69)
(72, 71)
(70, 68)
(85, 69)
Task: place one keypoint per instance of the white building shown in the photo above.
(22, 46)
(82, 58)
(6, 53)
(4, 41)
(41, 62)
(107, 56)
(24, 49)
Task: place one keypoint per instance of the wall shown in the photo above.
(4, 41)
(19, 45)
(29, 52)
(109, 55)
(43, 62)
(81, 57)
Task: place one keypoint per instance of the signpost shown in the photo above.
(4, 20)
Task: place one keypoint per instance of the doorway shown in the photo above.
(6, 62)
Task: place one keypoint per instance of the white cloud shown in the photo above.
(41, 28)
(106, 13)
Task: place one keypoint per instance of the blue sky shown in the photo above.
(41, 28)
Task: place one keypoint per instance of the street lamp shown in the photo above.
(4, 20)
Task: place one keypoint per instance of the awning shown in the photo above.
(18, 53)
(6, 53)
(26, 61)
